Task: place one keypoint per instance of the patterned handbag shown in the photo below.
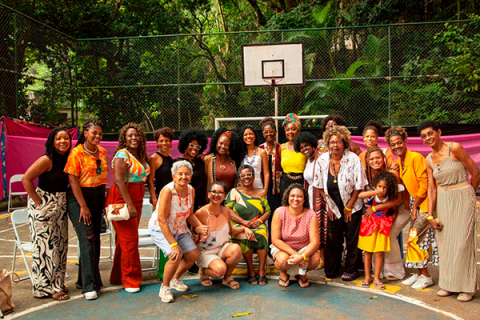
(117, 211)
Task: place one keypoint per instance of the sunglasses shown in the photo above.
(191, 145)
(99, 168)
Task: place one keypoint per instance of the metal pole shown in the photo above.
(389, 76)
(75, 106)
(178, 83)
(276, 110)
(15, 28)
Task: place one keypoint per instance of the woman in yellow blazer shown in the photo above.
(421, 235)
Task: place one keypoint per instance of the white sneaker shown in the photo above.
(422, 282)
(411, 280)
(92, 295)
(132, 290)
(165, 294)
(178, 285)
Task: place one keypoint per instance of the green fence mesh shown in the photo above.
(396, 74)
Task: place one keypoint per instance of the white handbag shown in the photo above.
(117, 211)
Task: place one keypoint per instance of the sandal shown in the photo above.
(349, 276)
(253, 280)
(380, 286)
(60, 296)
(204, 279)
(262, 280)
(302, 283)
(392, 278)
(286, 282)
(231, 283)
(365, 284)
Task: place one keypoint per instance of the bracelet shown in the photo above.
(174, 244)
(243, 229)
(373, 208)
(304, 258)
(261, 221)
(348, 209)
(430, 218)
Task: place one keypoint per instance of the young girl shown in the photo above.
(375, 228)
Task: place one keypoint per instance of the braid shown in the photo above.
(86, 126)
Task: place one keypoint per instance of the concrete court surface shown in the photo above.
(320, 301)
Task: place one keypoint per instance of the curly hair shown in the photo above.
(341, 132)
(268, 121)
(339, 120)
(166, 132)
(395, 131)
(142, 146)
(243, 167)
(188, 136)
(428, 124)
(305, 137)
(86, 126)
(289, 189)
(375, 126)
(368, 169)
(235, 145)
(50, 144)
(390, 180)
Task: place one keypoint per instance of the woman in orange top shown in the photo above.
(87, 171)
(372, 131)
(421, 236)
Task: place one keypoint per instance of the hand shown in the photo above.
(295, 259)
(37, 202)
(132, 211)
(414, 213)
(250, 235)
(247, 223)
(395, 167)
(436, 224)
(202, 230)
(85, 215)
(263, 193)
(347, 214)
(369, 212)
(255, 224)
(175, 254)
(153, 201)
(331, 215)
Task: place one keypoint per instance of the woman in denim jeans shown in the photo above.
(87, 174)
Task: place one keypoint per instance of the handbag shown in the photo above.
(6, 304)
(117, 211)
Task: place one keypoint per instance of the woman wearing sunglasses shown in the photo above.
(87, 171)
(191, 144)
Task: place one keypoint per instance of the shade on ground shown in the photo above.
(219, 302)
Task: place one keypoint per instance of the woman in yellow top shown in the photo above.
(421, 235)
(292, 162)
(87, 171)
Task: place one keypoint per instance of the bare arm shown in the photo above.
(77, 192)
(120, 171)
(40, 166)
(462, 155)
(350, 204)
(154, 162)
(355, 148)
(266, 172)
(368, 194)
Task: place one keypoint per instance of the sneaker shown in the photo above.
(411, 280)
(422, 282)
(178, 285)
(92, 295)
(132, 290)
(165, 294)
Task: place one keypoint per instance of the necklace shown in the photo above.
(88, 151)
(250, 162)
(222, 165)
(334, 171)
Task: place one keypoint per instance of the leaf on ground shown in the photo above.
(241, 314)
(373, 297)
(189, 296)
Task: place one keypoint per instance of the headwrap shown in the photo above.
(228, 134)
(292, 118)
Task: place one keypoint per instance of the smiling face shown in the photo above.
(164, 144)
(249, 136)
(182, 177)
(370, 138)
(62, 142)
(330, 124)
(430, 137)
(132, 138)
(291, 131)
(307, 149)
(336, 145)
(216, 194)
(246, 178)
(376, 160)
(192, 149)
(296, 198)
(398, 146)
(222, 145)
(94, 135)
(269, 133)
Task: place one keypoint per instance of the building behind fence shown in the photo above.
(391, 73)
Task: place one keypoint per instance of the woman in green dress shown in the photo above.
(250, 210)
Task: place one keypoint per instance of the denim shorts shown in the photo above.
(184, 240)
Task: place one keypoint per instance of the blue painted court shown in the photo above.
(218, 302)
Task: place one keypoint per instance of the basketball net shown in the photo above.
(273, 82)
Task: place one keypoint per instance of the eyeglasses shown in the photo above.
(246, 175)
(191, 145)
(335, 143)
(99, 164)
(428, 135)
(217, 193)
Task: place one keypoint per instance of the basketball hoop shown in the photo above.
(273, 82)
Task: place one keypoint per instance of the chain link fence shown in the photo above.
(394, 74)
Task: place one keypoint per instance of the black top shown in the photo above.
(199, 180)
(163, 175)
(334, 192)
(55, 180)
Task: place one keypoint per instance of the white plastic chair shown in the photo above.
(14, 179)
(145, 240)
(20, 217)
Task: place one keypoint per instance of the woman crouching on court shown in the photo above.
(295, 236)
(169, 231)
(218, 256)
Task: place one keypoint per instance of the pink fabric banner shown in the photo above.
(24, 130)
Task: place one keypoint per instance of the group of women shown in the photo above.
(306, 202)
